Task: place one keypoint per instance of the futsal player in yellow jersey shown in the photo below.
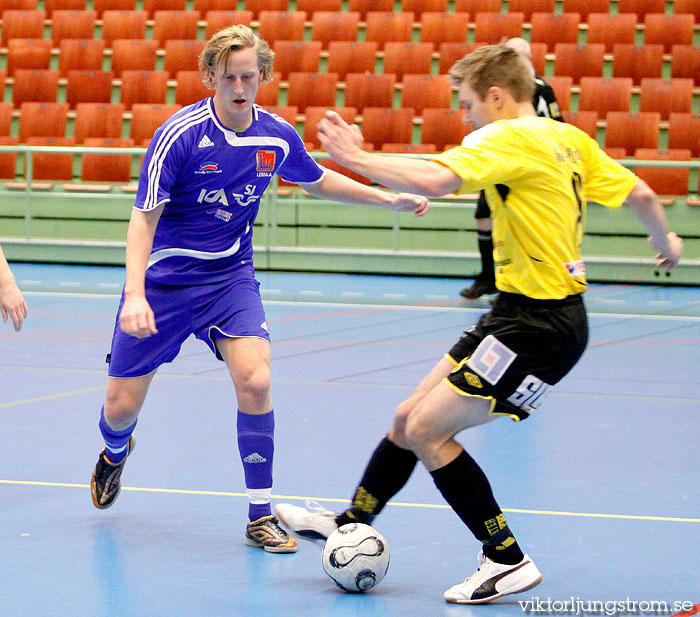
(538, 175)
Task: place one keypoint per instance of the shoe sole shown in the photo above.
(536, 582)
(285, 548)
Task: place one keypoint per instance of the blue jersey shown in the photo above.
(211, 180)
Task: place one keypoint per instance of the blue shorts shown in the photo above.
(219, 310)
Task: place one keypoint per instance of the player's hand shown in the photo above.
(407, 202)
(136, 317)
(669, 259)
(12, 304)
(338, 138)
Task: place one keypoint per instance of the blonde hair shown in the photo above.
(234, 38)
(495, 65)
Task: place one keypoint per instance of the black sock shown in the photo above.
(465, 487)
(485, 240)
(387, 472)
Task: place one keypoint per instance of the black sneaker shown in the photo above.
(480, 287)
(105, 483)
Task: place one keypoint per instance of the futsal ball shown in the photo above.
(356, 557)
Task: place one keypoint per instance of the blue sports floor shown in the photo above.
(601, 486)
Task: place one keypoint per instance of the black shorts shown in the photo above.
(482, 207)
(519, 350)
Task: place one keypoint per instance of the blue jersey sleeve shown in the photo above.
(166, 155)
(299, 166)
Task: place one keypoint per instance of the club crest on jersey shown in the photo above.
(265, 162)
(208, 167)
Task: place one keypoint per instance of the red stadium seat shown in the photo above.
(51, 165)
(365, 6)
(175, 25)
(28, 54)
(668, 30)
(605, 94)
(421, 91)
(133, 55)
(382, 125)
(22, 25)
(664, 180)
(562, 89)
(106, 167)
(123, 25)
(607, 29)
(182, 56)
(586, 7)
(328, 26)
(220, 19)
(442, 127)
(685, 62)
(98, 120)
(632, 130)
(89, 87)
(143, 87)
(351, 57)
(528, 7)
(579, 61)
(282, 26)
(403, 58)
(684, 132)
(637, 61)
(72, 25)
(42, 120)
(80, 55)
(35, 85)
(145, 119)
(439, 28)
(584, 120)
(297, 57)
(452, 52)
(666, 95)
(383, 27)
(553, 28)
(362, 89)
(493, 27)
(311, 89)
(314, 115)
(190, 88)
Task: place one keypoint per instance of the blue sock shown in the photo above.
(256, 445)
(116, 442)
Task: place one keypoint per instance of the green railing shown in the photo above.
(77, 222)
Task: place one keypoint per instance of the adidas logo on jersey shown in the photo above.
(254, 458)
(205, 142)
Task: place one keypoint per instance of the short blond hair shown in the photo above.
(234, 38)
(495, 65)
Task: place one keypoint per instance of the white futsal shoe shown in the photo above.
(493, 580)
(311, 523)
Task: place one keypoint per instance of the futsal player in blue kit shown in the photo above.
(189, 267)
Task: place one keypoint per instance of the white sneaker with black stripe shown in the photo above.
(311, 523)
(494, 580)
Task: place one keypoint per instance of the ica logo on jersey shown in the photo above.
(218, 196)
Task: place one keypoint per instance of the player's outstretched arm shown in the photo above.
(12, 304)
(136, 316)
(344, 143)
(337, 187)
(649, 210)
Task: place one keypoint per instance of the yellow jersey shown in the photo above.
(537, 175)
